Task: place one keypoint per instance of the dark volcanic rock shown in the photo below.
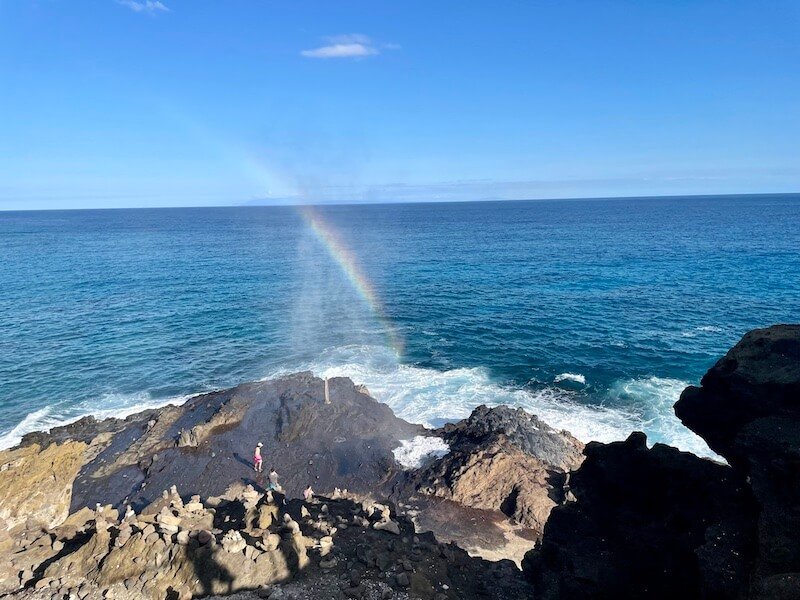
(525, 431)
(505, 460)
(207, 443)
(662, 523)
(748, 410)
(655, 523)
(758, 378)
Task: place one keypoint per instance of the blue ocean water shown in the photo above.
(593, 313)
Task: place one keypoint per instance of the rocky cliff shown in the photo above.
(666, 524)
(83, 508)
(165, 504)
(505, 460)
(748, 410)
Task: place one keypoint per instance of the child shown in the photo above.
(257, 461)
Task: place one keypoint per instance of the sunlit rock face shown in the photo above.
(505, 460)
(36, 484)
(246, 539)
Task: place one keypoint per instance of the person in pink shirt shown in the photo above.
(257, 460)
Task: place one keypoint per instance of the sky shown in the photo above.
(129, 103)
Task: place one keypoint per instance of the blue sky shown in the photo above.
(107, 103)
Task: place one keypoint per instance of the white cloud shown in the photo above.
(351, 45)
(340, 51)
(144, 6)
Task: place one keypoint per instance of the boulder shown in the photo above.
(505, 460)
(748, 410)
(388, 525)
(525, 431)
(233, 542)
(646, 523)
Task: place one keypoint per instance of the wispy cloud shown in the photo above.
(352, 45)
(144, 6)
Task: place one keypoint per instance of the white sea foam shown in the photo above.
(432, 397)
(414, 453)
(710, 329)
(703, 329)
(651, 400)
(109, 405)
(37, 420)
(576, 377)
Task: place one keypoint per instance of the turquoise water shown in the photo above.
(594, 314)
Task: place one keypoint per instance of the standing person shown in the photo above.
(273, 480)
(257, 460)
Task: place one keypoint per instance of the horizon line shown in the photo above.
(279, 204)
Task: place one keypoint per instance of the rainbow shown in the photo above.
(348, 262)
(275, 183)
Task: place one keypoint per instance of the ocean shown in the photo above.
(593, 314)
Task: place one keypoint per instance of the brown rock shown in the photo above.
(36, 485)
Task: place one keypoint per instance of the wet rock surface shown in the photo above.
(205, 444)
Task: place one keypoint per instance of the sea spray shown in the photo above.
(433, 397)
(416, 452)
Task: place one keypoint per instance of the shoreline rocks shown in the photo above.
(165, 504)
(505, 460)
(663, 523)
(646, 522)
(37, 484)
(185, 550)
(748, 409)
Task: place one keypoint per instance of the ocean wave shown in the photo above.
(651, 400)
(576, 377)
(702, 329)
(37, 420)
(432, 397)
(108, 405)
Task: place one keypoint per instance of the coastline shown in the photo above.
(433, 397)
(99, 507)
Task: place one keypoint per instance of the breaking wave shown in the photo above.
(651, 400)
(109, 405)
(433, 397)
(576, 377)
(416, 452)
